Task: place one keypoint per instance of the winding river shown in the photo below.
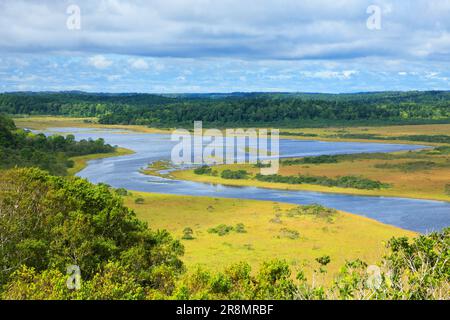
(123, 172)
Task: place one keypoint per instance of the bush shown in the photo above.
(311, 160)
(221, 229)
(121, 192)
(139, 201)
(203, 170)
(342, 182)
(290, 234)
(240, 228)
(188, 234)
(315, 210)
(229, 174)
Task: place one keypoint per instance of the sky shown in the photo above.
(186, 46)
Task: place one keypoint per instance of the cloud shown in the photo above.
(310, 45)
(99, 62)
(139, 64)
(295, 29)
(328, 74)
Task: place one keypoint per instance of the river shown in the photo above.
(123, 172)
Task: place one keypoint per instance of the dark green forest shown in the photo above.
(251, 109)
(22, 148)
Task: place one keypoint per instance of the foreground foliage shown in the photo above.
(48, 223)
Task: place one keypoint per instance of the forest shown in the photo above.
(252, 109)
(22, 148)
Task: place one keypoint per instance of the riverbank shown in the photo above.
(343, 237)
(81, 162)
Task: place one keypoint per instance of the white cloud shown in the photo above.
(99, 61)
(329, 74)
(139, 64)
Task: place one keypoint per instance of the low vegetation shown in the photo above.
(409, 166)
(310, 160)
(235, 175)
(342, 182)
(224, 229)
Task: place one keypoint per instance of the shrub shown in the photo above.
(310, 160)
(188, 234)
(315, 210)
(221, 229)
(229, 174)
(139, 200)
(240, 228)
(203, 170)
(342, 182)
(121, 192)
(290, 234)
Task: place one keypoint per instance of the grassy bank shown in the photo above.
(345, 236)
(81, 162)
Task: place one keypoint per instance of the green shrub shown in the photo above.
(139, 200)
(221, 229)
(342, 182)
(315, 210)
(230, 174)
(240, 228)
(121, 192)
(188, 234)
(203, 170)
(311, 160)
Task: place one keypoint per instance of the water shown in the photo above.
(123, 172)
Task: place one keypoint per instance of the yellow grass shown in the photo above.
(323, 133)
(347, 237)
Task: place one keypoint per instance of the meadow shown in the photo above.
(268, 226)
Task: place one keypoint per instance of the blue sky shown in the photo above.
(165, 46)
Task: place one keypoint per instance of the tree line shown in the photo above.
(291, 110)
